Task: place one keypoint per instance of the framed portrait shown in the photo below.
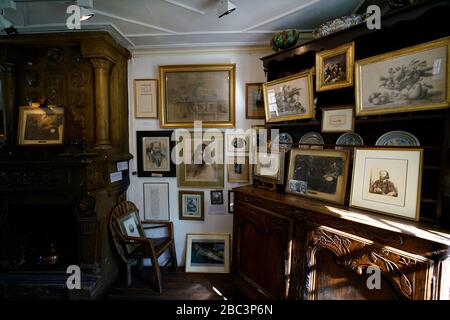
(319, 174)
(230, 201)
(192, 205)
(289, 98)
(388, 180)
(41, 126)
(338, 119)
(238, 142)
(410, 79)
(208, 253)
(269, 167)
(334, 68)
(254, 102)
(191, 93)
(216, 197)
(154, 154)
(156, 201)
(238, 169)
(206, 168)
(130, 226)
(146, 98)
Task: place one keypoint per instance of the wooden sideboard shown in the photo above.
(290, 247)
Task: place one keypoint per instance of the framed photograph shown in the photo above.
(319, 174)
(334, 68)
(238, 142)
(216, 197)
(41, 126)
(388, 180)
(208, 253)
(230, 201)
(156, 201)
(146, 98)
(191, 93)
(411, 79)
(238, 169)
(192, 205)
(338, 119)
(130, 226)
(154, 154)
(289, 98)
(269, 167)
(254, 102)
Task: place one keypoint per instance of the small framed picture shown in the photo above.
(230, 201)
(388, 180)
(334, 68)
(238, 169)
(156, 201)
(130, 226)
(154, 154)
(146, 98)
(238, 142)
(41, 126)
(338, 119)
(254, 103)
(216, 197)
(269, 167)
(192, 205)
(208, 253)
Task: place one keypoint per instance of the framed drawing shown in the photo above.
(334, 68)
(191, 93)
(238, 142)
(319, 174)
(191, 205)
(156, 201)
(154, 154)
(130, 226)
(146, 98)
(216, 197)
(208, 253)
(238, 169)
(269, 167)
(41, 126)
(411, 79)
(338, 119)
(254, 102)
(230, 201)
(289, 98)
(388, 180)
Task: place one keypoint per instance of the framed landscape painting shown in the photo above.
(254, 103)
(410, 79)
(191, 93)
(208, 253)
(154, 154)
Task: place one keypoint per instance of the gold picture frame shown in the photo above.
(338, 119)
(238, 169)
(191, 93)
(410, 79)
(208, 253)
(329, 67)
(146, 98)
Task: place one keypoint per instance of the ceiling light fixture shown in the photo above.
(225, 7)
(85, 6)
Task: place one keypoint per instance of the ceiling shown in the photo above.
(153, 24)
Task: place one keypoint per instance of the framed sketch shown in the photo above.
(254, 102)
(411, 79)
(156, 201)
(388, 180)
(146, 98)
(319, 174)
(208, 253)
(238, 142)
(238, 169)
(289, 98)
(334, 68)
(41, 126)
(191, 205)
(230, 201)
(216, 197)
(338, 119)
(130, 226)
(191, 93)
(154, 154)
(269, 167)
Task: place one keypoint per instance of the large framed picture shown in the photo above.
(388, 180)
(254, 101)
(154, 154)
(191, 205)
(319, 174)
(146, 98)
(338, 119)
(156, 201)
(334, 68)
(191, 93)
(269, 167)
(238, 169)
(41, 126)
(411, 79)
(208, 253)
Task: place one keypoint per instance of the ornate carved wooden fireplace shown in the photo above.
(58, 199)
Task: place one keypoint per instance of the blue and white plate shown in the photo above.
(283, 141)
(349, 139)
(398, 139)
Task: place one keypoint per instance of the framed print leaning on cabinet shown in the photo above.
(388, 180)
(156, 201)
(154, 154)
(208, 253)
(146, 98)
(338, 119)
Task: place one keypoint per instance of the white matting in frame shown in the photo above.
(156, 201)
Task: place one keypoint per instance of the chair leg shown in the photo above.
(141, 264)
(128, 275)
(173, 256)
(157, 273)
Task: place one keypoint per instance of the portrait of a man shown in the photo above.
(156, 154)
(383, 185)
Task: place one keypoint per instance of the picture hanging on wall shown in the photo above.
(156, 201)
(41, 125)
(146, 98)
(191, 205)
(154, 154)
(254, 103)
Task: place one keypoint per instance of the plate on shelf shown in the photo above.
(284, 141)
(398, 139)
(311, 138)
(349, 139)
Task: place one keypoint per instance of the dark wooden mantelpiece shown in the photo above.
(289, 247)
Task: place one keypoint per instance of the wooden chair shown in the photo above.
(132, 244)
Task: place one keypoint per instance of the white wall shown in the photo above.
(145, 65)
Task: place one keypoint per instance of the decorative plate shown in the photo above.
(284, 141)
(398, 139)
(311, 138)
(349, 139)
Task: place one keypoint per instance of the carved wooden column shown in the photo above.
(102, 68)
(8, 103)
